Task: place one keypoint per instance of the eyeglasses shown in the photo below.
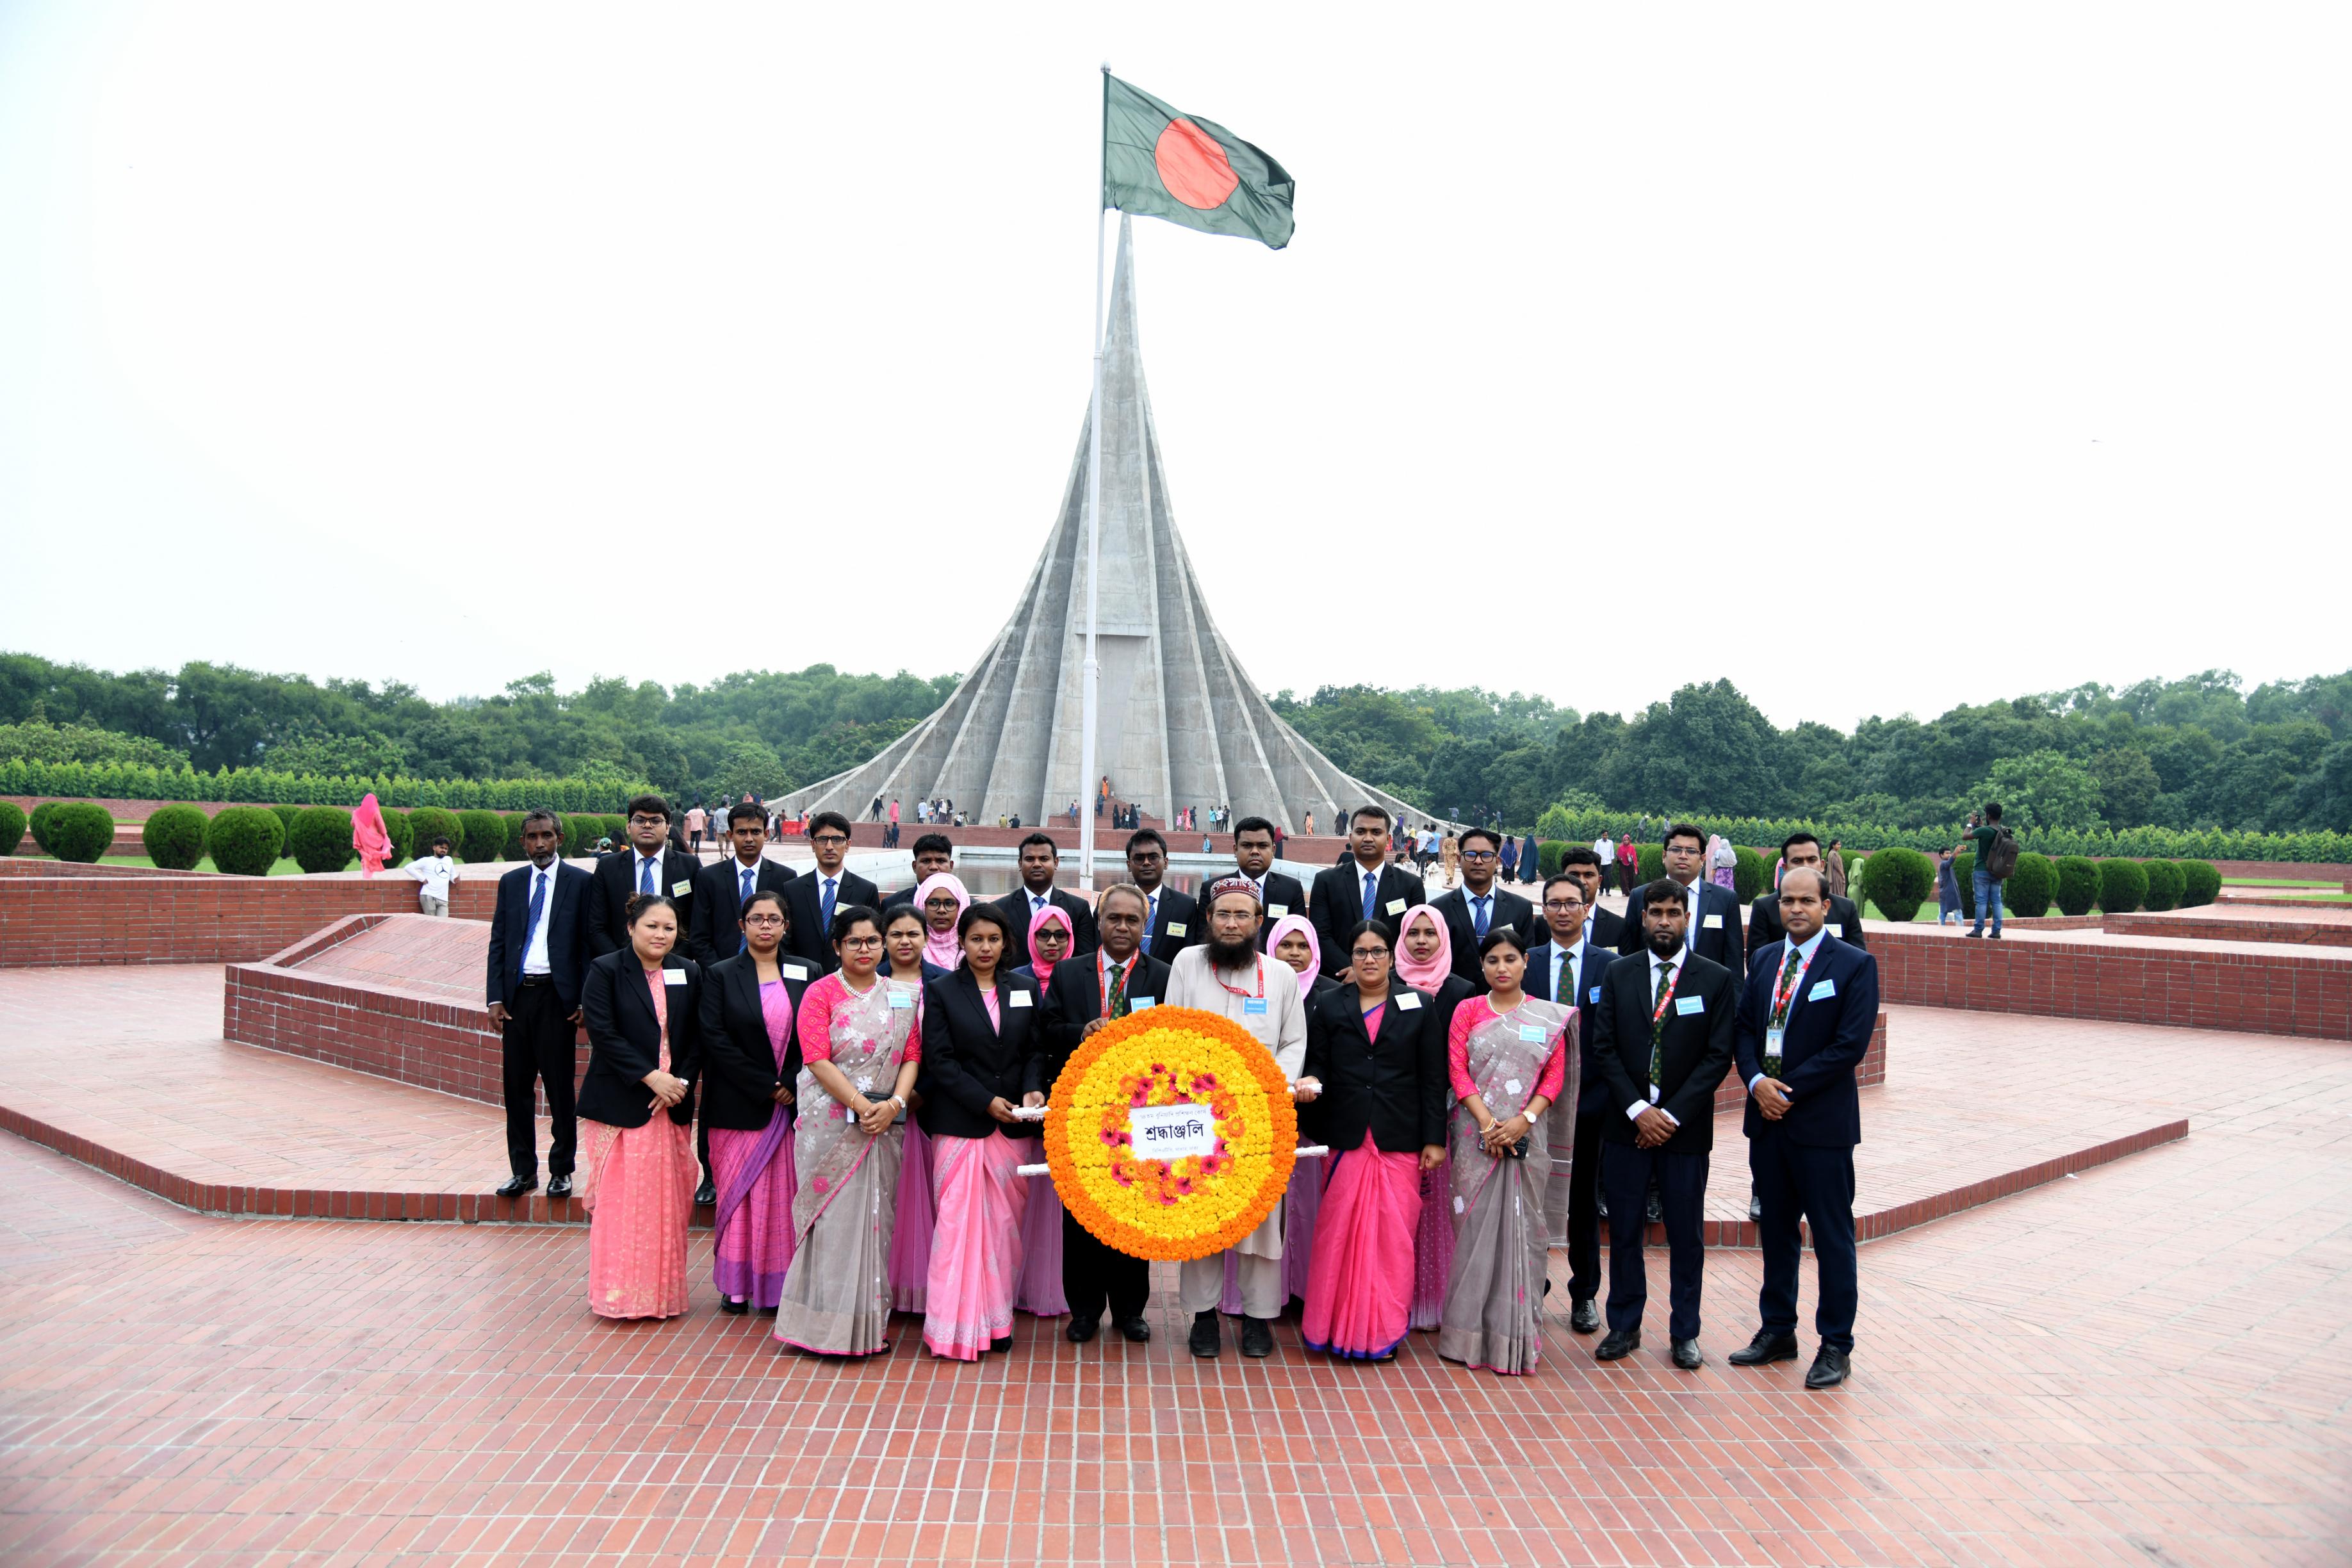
(763, 920)
(861, 941)
(1480, 855)
(1685, 850)
(1367, 954)
(1564, 905)
(649, 822)
(829, 840)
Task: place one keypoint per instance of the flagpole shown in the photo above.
(1087, 798)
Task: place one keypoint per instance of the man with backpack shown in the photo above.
(1996, 852)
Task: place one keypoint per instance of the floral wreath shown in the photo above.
(1190, 1206)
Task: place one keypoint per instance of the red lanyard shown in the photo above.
(1257, 995)
(1782, 998)
(1673, 978)
(1102, 977)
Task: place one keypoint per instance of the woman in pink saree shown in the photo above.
(1039, 1292)
(637, 1117)
(1510, 1058)
(1293, 941)
(943, 901)
(370, 835)
(750, 1064)
(858, 1055)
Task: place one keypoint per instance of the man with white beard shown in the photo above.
(1229, 976)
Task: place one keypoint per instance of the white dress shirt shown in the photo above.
(1567, 963)
(1804, 962)
(534, 953)
(1633, 1111)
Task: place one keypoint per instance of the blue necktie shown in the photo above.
(1479, 920)
(751, 879)
(538, 908)
(825, 909)
(1371, 896)
(644, 875)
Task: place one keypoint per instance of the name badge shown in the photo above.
(902, 1001)
(1396, 906)
(793, 971)
(1016, 998)
(1533, 1034)
(1410, 1002)
(1138, 1004)
(1835, 930)
(1253, 1008)
(1278, 910)
(1712, 923)
(1175, 928)
(1686, 1005)
(681, 889)
(1825, 989)
(673, 976)
(1595, 995)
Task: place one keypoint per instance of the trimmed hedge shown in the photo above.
(1898, 881)
(1653, 863)
(2200, 883)
(80, 832)
(1964, 872)
(12, 827)
(483, 833)
(321, 840)
(514, 835)
(1751, 876)
(2078, 884)
(2123, 886)
(267, 787)
(174, 837)
(428, 823)
(286, 815)
(2031, 887)
(39, 823)
(581, 831)
(244, 840)
(2163, 885)
(396, 827)
(1547, 854)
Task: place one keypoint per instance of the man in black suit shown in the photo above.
(1568, 968)
(1805, 1021)
(1119, 972)
(720, 888)
(1662, 1038)
(650, 864)
(1341, 891)
(1278, 891)
(1041, 858)
(811, 900)
(934, 853)
(539, 957)
(1802, 851)
(1603, 927)
(1481, 903)
(1174, 923)
(1711, 925)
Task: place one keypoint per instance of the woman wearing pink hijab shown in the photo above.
(1293, 941)
(1425, 961)
(1039, 1292)
(370, 835)
(911, 1236)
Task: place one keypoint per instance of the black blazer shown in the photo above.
(616, 884)
(1594, 1094)
(1073, 1000)
(718, 909)
(624, 1038)
(967, 1062)
(739, 1066)
(1697, 1047)
(1393, 1087)
(568, 897)
(1338, 903)
(805, 897)
(1722, 942)
(1764, 926)
(1509, 909)
(1827, 1036)
(1015, 907)
(1175, 909)
(1606, 927)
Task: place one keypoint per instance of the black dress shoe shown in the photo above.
(705, 1196)
(1766, 1346)
(1080, 1330)
(1687, 1355)
(999, 1347)
(1206, 1336)
(1585, 1319)
(1600, 1205)
(518, 1185)
(733, 1308)
(1135, 1330)
(1829, 1369)
(1619, 1344)
(1656, 1212)
(1257, 1336)
(1755, 1208)
(560, 1187)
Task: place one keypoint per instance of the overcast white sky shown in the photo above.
(327, 331)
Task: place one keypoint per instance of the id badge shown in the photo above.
(1253, 1008)
(1407, 1002)
(681, 889)
(1139, 1004)
(902, 1001)
(1175, 928)
(1773, 1038)
(673, 976)
(1533, 1034)
(1396, 906)
(1016, 999)
(1686, 1005)
(1276, 911)
(1821, 993)
(793, 971)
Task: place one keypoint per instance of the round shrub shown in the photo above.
(174, 837)
(396, 827)
(286, 815)
(2031, 887)
(321, 840)
(1653, 863)
(1751, 876)
(581, 831)
(39, 823)
(483, 833)
(2123, 887)
(1547, 854)
(80, 831)
(244, 840)
(428, 823)
(1964, 872)
(2078, 884)
(1898, 881)
(12, 827)
(2163, 885)
(514, 835)
(2200, 883)
(616, 828)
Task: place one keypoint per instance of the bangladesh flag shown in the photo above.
(1190, 171)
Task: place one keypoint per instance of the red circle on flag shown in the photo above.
(1192, 166)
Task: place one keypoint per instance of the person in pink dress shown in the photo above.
(370, 835)
(981, 1026)
(942, 899)
(1039, 1292)
(637, 1117)
(751, 1066)
(1292, 939)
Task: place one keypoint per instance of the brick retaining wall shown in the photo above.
(187, 918)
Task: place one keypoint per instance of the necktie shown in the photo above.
(644, 875)
(1372, 897)
(824, 909)
(1118, 991)
(1151, 914)
(538, 908)
(1658, 1025)
(1785, 992)
(750, 880)
(1478, 918)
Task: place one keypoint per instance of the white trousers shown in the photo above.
(1201, 1284)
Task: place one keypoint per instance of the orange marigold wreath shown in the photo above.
(1190, 1206)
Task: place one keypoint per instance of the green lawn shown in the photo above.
(282, 869)
(2281, 882)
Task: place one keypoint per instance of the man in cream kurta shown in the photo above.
(1229, 976)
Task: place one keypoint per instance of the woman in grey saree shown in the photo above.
(1509, 1057)
(860, 1039)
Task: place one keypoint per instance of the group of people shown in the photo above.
(1491, 1078)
